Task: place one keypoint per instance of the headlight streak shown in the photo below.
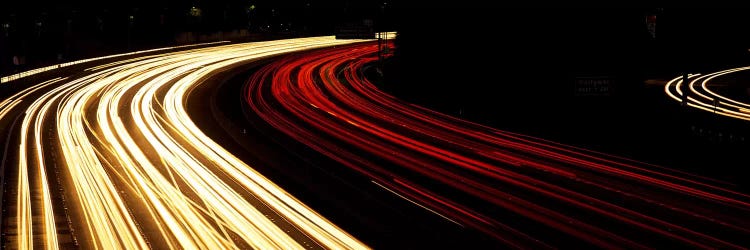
(123, 127)
(23, 200)
(323, 92)
(705, 99)
(312, 223)
(9, 103)
(57, 66)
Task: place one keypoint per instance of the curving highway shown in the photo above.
(523, 191)
(107, 158)
(143, 150)
(697, 93)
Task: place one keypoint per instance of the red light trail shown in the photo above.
(487, 179)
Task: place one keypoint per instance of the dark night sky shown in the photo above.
(568, 42)
(527, 37)
(39, 30)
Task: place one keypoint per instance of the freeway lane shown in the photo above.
(135, 172)
(378, 218)
(523, 191)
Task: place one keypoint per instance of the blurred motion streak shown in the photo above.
(509, 186)
(700, 96)
(139, 173)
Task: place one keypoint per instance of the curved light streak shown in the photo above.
(17, 76)
(123, 129)
(700, 96)
(323, 100)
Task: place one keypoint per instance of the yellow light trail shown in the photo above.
(17, 76)
(9, 103)
(23, 199)
(124, 127)
(705, 99)
(34, 116)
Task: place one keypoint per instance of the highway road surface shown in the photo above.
(165, 149)
(524, 192)
(105, 157)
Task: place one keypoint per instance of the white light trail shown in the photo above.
(124, 128)
(706, 99)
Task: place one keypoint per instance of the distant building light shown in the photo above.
(195, 11)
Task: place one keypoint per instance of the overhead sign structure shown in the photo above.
(593, 86)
